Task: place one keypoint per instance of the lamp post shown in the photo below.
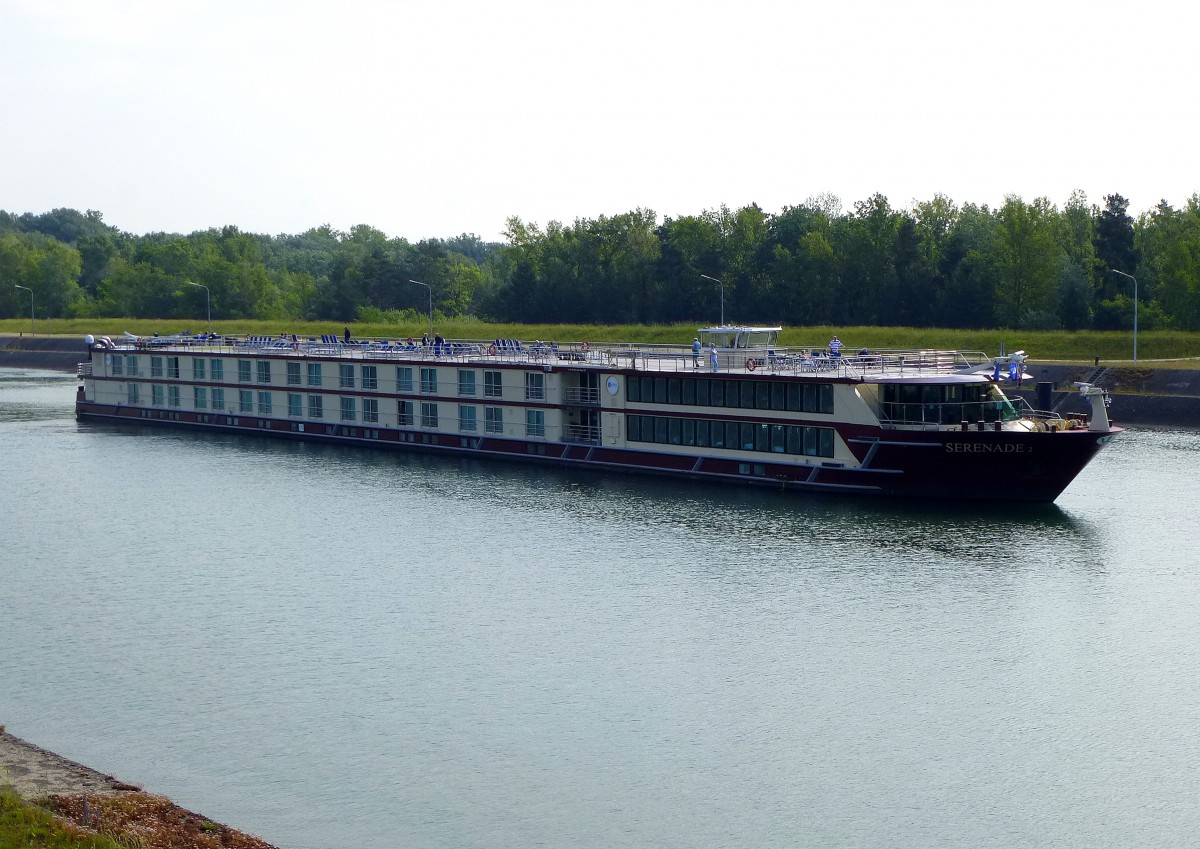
(722, 285)
(1135, 305)
(30, 291)
(207, 303)
(427, 286)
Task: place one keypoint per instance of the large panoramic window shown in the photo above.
(793, 396)
(744, 436)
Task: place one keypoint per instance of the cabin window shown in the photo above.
(199, 398)
(702, 393)
(633, 389)
(156, 369)
(493, 419)
(466, 381)
(198, 368)
(243, 371)
(429, 380)
(404, 381)
(245, 401)
(131, 365)
(429, 413)
(493, 384)
(295, 404)
(732, 393)
(346, 376)
(264, 371)
(314, 374)
(133, 393)
(349, 413)
(467, 419)
(370, 377)
(370, 408)
(118, 365)
(675, 431)
(746, 392)
(264, 403)
(217, 369)
(535, 386)
(689, 393)
(173, 396)
(316, 407)
(674, 392)
(404, 413)
(535, 422)
(293, 374)
(156, 396)
(218, 399)
(173, 368)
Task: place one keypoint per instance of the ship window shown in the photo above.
(778, 395)
(245, 401)
(732, 393)
(778, 439)
(243, 370)
(493, 386)
(826, 441)
(156, 369)
(535, 385)
(264, 403)
(493, 419)
(118, 365)
(467, 419)
(702, 392)
(199, 398)
(370, 377)
(633, 390)
(346, 376)
(293, 374)
(673, 390)
(218, 399)
(198, 368)
(689, 432)
(762, 395)
(674, 431)
(314, 374)
(795, 440)
(747, 435)
(173, 368)
(349, 413)
(660, 429)
(466, 381)
(370, 408)
(702, 434)
(156, 396)
(316, 407)
(826, 398)
(173, 396)
(404, 381)
(295, 404)
(633, 427)
(404, 413)
(535, 422)
(217, 368)
(429, 413)
(689, 392)
(811, 441)
(264, 371)
(133, 393)
(429, 380)
(718, 434)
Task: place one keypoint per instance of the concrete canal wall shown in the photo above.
(1144, 395)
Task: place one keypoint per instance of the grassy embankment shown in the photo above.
(23, 825)
(1113, 347)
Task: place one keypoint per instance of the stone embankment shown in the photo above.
(1141, 395)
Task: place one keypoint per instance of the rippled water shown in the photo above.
(346, 648)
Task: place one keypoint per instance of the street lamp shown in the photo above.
(722, 285)
(1135, 305)
(426, 285)
(30, 291)
(207, 303)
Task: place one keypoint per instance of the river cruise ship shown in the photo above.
(733, 407)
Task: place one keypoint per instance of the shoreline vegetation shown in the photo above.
(47, 800)
(1083, 346)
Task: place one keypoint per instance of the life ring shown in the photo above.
(584, 346)
(751, 364)
(492, 349)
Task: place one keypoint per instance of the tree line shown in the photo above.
(1024, 265)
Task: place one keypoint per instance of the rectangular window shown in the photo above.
(173, 396)
(493, 419)
(295, 404)
(217, 369)
(245, 401)
(293, 374)
(370, 408)
(466, 381)
(535, 386)
(131, 365)
(173, 368)
(466, 418)
(493, 386)
(264, 371)
(264, 403)
(316, 407)
(198, 364)
(133, 393)
(156, 396)
(243, 371)
(314, 374)
(535, 422)
(349, 413)
(346, 376)
(370, 377)
(156, 367)
(404, 413)
(404, 379)
(118, 366)
(429, 380)
(199, 398)
(218, 398)
(429, 414)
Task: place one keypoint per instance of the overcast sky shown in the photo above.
(434, 118)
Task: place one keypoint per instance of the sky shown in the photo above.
(435, 118)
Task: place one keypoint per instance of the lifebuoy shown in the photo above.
(492, 349)
(584, 346)
(751, 364)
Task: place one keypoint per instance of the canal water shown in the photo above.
(348, 648)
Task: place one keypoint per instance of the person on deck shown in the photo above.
(835, 347)
(696, 352)
(712, 355)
